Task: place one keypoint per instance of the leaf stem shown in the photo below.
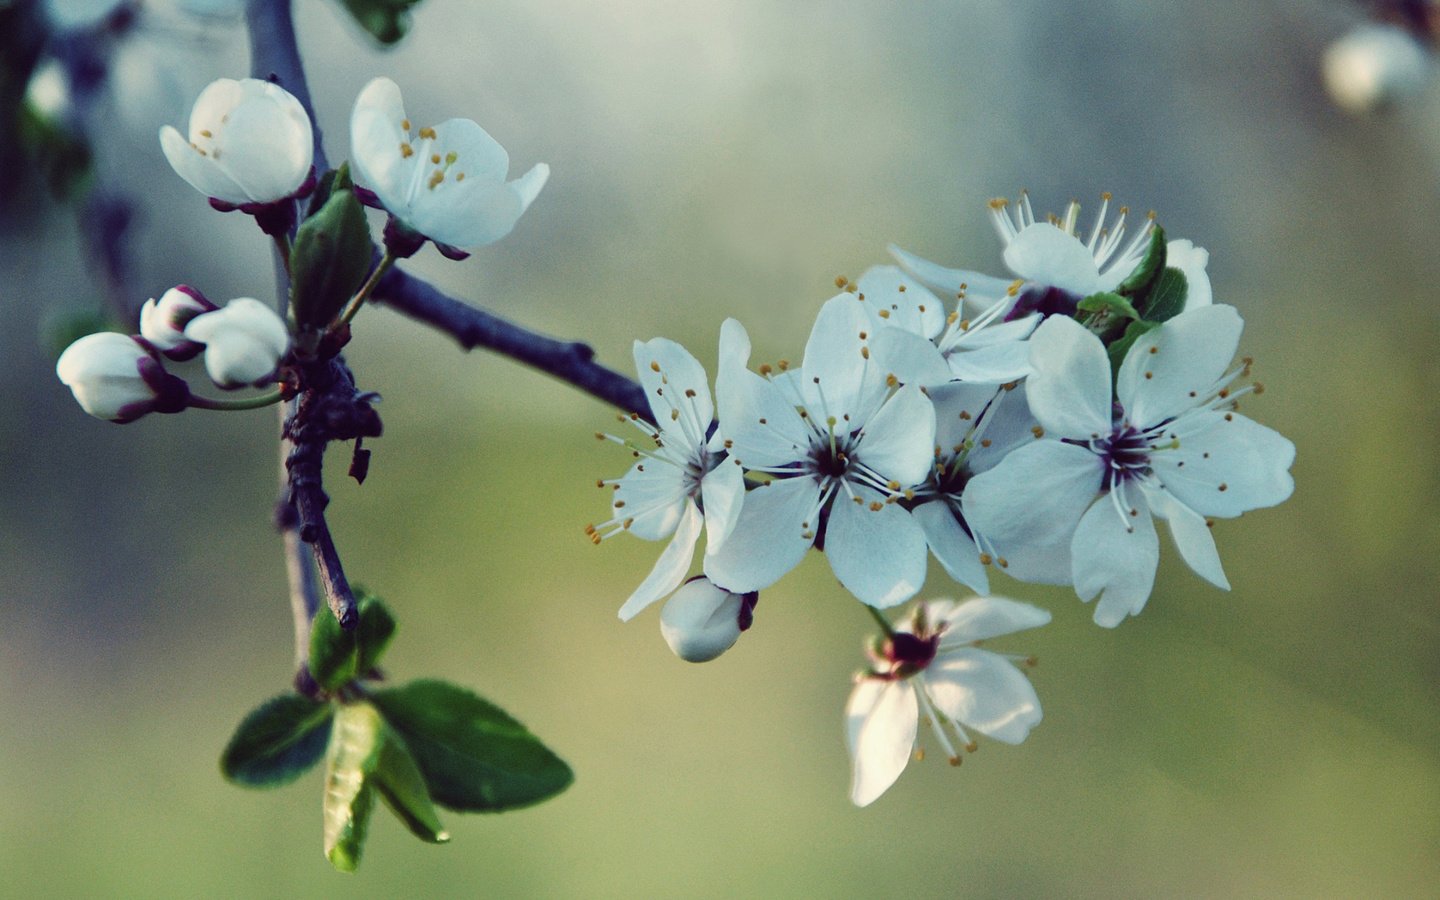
(881, 620)
(367, 288)
(263, 400)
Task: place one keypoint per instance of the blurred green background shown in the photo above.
(730, 159)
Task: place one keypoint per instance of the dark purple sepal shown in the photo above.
(184, 352)
(274, 218)
(172, 394)
(450, 252)
(1043, 299)
(402, 241)
(307, 187)
(366, 197)
(746, 617)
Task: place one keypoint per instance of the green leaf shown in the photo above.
(403, 789)
(374, 631)
(335, 179)
(1167, 298)
(355, 742)
(1140, 280)
(331, 256)
(1122, 346)
(1105, 302)
(475, 757)
(333, 657)
(386, 20)
(277, 742)
(65, 327)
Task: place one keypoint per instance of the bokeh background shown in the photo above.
(724, 159)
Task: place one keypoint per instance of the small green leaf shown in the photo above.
(1140, 280)
(402, 787)
(355, 742)
(335, 179)
(374, 632)
(1106, 302)
(64, 327)
(475, 757)
(1132, 334)
(386, 20)
(331, 256)
(333, 657)
(277, 742)
(1167, 298)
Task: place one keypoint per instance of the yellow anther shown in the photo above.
(1004, 563)
(205, 133)
(884, 313)
(955, 761)
(690, 392)
(985, 442)
(427, 132)
(436, 178)
(451, 157)
(783, 365)
(405, 124)
(893, 485)
(1155, 349)
(674, 414)
(865, 352)
(901, 289)
(984, 559)
(654, 366)
(406, 151)
(891, 380)
(841, 281)
(876, 506)
(965, 415)
(766, 369)
(460, 176)
(1038, 431)
(435, 158)
(999, 203)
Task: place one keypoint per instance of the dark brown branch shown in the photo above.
(570, 361)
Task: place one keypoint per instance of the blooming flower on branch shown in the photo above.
(163, 323)
(839, 445)
(249, 145)
(931, 666)
(1168, 445)
(686, 481)
(446, 182)
(119, 378)
(244, 342)
(1056, 265)
(702, 621)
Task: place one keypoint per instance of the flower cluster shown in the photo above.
(1038, 424)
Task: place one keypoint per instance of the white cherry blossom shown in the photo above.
(249, 142)
(685, 482)
(1168, 445)
(701, 621)
(119, 378)
(244, 342)
(931, 667)
(839, 445)
(445, 182)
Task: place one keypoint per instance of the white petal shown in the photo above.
(955, 549)
(769, 537)
(266, 143)
(653, 496)
(375, 138)
(1069, 386)
(1008, 426)
(701, 621)
(959, 406)
(469, 214)
(982, 618)
(983, 691)
(744, 399)
(834, 368)
(1107, 557)
(899, 441)
(1035, 496)
(995, 364)
(909, 357)
(1176, 366)
(880, 721)
(1191, 261)
(677, 388)
(199, 171)
(722, 490)
(1226, 464)
(950, 282)
(672, 566)
(527, 187)
(1040, 564)
(906, 303)
(1043, 253)
(1192, 536)
(878, 554)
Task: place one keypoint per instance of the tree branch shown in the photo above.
(570, 361)
(275, 53)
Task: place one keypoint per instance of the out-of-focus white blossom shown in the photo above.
(1373, 66)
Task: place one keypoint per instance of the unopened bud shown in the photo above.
(163, 321)
(119, 378)
(244, 342)
(701, 621)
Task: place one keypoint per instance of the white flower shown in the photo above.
(244, 342)
(1170, 446)
(686, 481)
(920, 344)
(1373, 66)
(250, 142)
(839, 447)
(163, 323)
(445, 182)
(1056, 266)
(932, 667)
(119, 378)
(702, 621)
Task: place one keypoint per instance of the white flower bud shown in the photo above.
(244, 342)
(701, 621)
(119, 378)
(163, 322)
(1373, 66)
(250, 142)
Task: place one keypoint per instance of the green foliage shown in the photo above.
(402, 787)
(474, 756)
(334, 657)
(374, 632)
(1132, 334)
(1109, 304)
(355, 742)
(386, 20)
(332, 254)
(1167, 298)
(1140, 280)
(64, 328)
(277, 742)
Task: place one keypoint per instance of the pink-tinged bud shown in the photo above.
(163, 322)
(120, 378)
(701, 621)
(244, 342)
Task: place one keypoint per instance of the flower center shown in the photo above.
(1043, 299)
(1126, 454)
(909, 653)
